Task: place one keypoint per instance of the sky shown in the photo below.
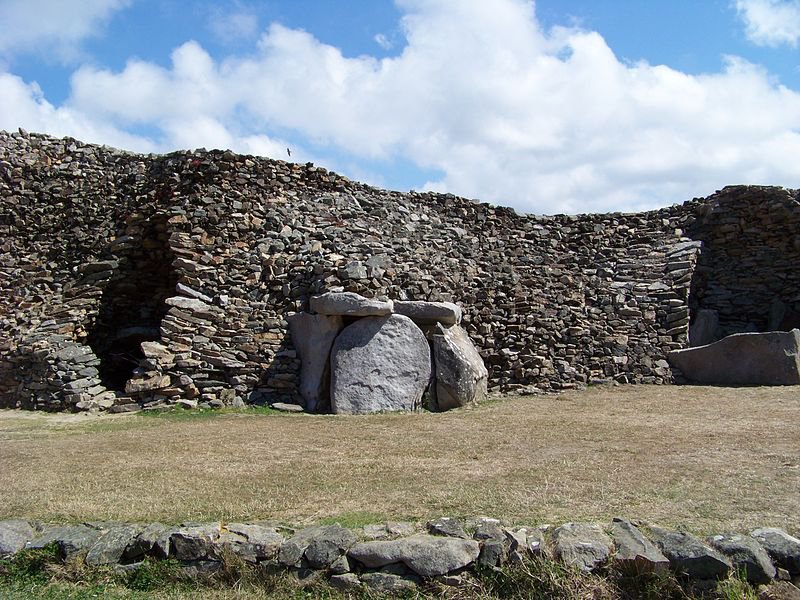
(552, 106)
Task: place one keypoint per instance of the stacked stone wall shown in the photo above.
(208, 252)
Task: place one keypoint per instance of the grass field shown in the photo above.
(702, 458)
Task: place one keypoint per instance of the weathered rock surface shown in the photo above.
(690, 556)
(583, 545)
(782, 547)
(313, 336)
(320, 546)
(251, 542)
(110, 548)
(426, 555)
(349, 304)
(14, 534)
(388, 583)
(447, 526)
(746, 555)
(461, 377)
(71, 539)
(634, 551)
(771, 358)
(422, 312)
(379, 364)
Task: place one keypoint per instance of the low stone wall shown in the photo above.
(207, 253)
(399, 556)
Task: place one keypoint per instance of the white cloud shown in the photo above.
(770, 22)
(52, 27)
(383, 41)
(233, 24)
(545, 121)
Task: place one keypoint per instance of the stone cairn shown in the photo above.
(203, 255)
(361, 355)
(397, 557)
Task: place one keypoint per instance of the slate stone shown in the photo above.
(14, 534)
(489, 529)
(326, 542)
(461, 376)
(349, 304)
(313, 336)
(152, 541)
(782, 547)
(195, 543)
(583, 545)
(387, 583)
(71, 539)
(634, 551)
(110, 548)
(746, 555)
(689, 556)
(379, 364)
(345, 582)
(426, 555)
(251, 542)
(426, 313)
(771, 358)
(493, 553)
(447, 526)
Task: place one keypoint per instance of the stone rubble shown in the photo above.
(397, 557)
(208, 253)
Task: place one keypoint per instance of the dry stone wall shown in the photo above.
(202, 256)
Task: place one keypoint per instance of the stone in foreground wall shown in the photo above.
(399, 556)
(207, 253)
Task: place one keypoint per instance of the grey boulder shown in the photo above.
(782, 547)
(582, 545)
(426, 555)
(771, 358)
(388, 583)
(251, 542)
(349, 304)
(429, 312)
(747, 556)
(14, 534)
(690, 556)
(379, 364)
(110, 548)
(71, 539)
(313, 336)
(461, 376)
(634, 551)
(320, 546)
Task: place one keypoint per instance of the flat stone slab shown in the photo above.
(771, 358)
(71, 539)
(379, 364)
(349, 304)
(426, 555)
(429, 312)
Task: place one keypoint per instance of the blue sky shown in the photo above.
(552, 106)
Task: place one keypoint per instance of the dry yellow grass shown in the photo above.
(697, 457)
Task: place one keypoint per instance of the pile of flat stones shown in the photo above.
(399, 556)
(360, 355)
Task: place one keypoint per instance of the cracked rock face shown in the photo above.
(379, 364)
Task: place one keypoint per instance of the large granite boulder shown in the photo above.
(313, 337)
(771, 358)
(349, 304)
(461, 376)
(379, 364)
